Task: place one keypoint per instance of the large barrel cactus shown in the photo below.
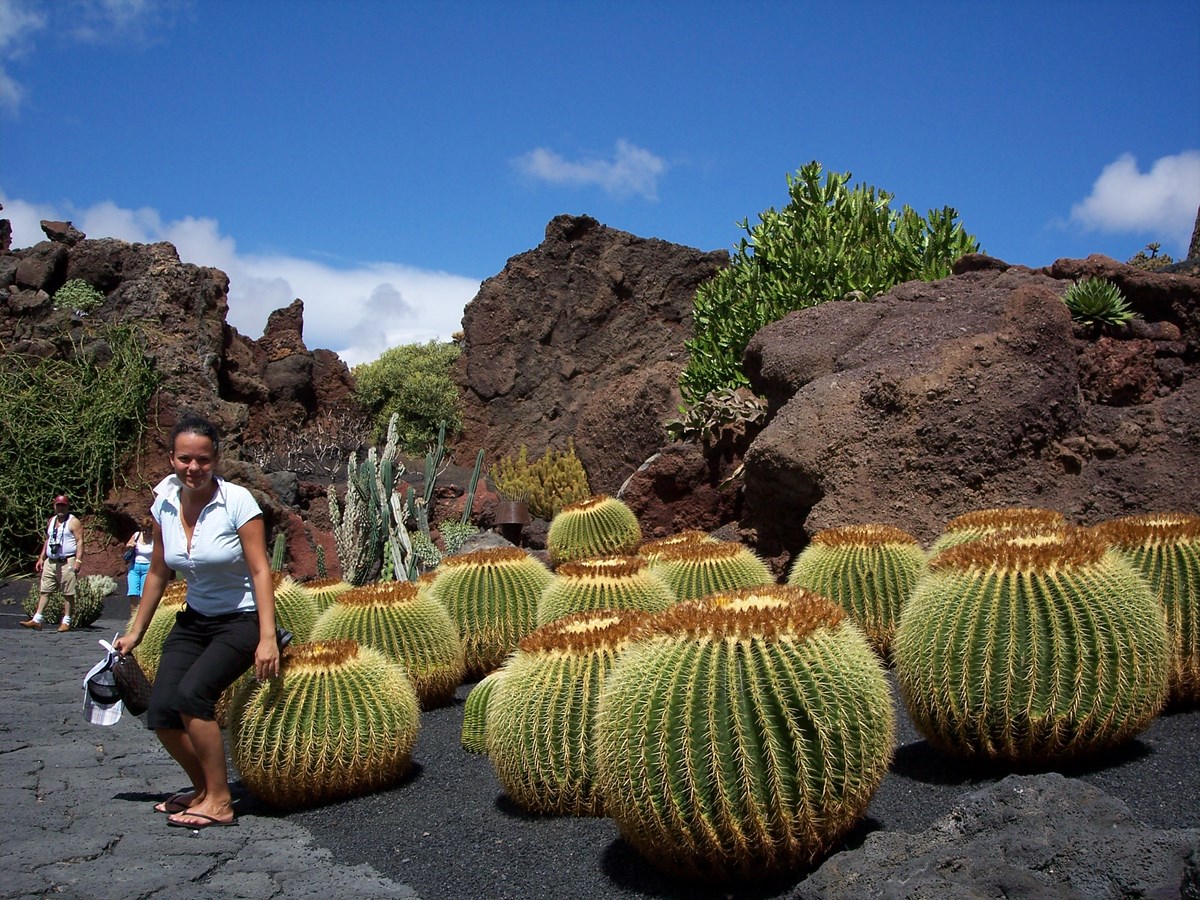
(698, 568)
(867, 570)
(598, 526)
(295, 608)
(149, 651)
(324, 591)
(743, 734)
(340, 721)
(492, 598)
(539, 724)
(971, 526)
(406, 625)
(1031, 650)
(1165, 549)
(474, 725)
(605, 582)
(651, 549)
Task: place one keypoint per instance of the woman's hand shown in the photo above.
(266, 658)
(125, 644)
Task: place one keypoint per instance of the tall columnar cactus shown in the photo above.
(408, 626)
(295, 608)
(340, 721)
(598, 526)
(979, 523)
(651, 549)
(1031, 650)
(492, 597)
(539, 724)
(696, 569)
(605, 582)
(868, 570)
(475, 711)
(324, 591)
(743, 734)
(1165, 549)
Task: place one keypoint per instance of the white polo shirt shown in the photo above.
(216, 573)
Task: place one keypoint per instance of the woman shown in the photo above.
(142, 545)
(211, 532)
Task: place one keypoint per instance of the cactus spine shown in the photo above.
(979, 523)
(295, 608)
(598, 526)
(867, 570)
(698, 568)
(1031, 650)
(1165, 549)
(406, 625)
(539, 723)
(606, 582)
(324, 591)
(341, 721)
(475, 711)
(743, 734)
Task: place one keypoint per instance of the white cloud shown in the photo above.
(632, 170)
(18, 23)
(358, 311)
(1161, 202)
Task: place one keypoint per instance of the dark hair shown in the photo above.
(192, 424)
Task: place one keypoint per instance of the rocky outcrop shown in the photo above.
(971, 392)
(1027, 836)
(582, 339)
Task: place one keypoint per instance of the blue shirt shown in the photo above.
(216, 573)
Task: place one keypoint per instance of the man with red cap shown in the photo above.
(58, 562)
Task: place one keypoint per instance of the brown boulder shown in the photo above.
(62, 232)
(43, 267)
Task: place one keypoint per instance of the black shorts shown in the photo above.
(201, 657)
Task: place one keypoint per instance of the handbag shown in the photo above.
(130, 553)
(132, 683)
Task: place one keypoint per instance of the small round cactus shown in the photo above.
(1030, 650)
(324, 591)
(605, 582)
(979, 523)
(475, 710)
(1165, 549)
(539, 724)
(867, 570)
(598, 526)
(696, 569)
(340, 721)
(295, 608)
(492, 598)
(743, 734)
(406, 625)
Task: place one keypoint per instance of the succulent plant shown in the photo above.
(867, 570)
(324, 591)
(696, 569)
(979, 523)
(1097, 301)
(1165, 549)
(741, 735)
(406, 625)
(340, 721)
(605, 582)
(475, 711)
(295, 608)
(149, 651)
(651, 549)
(492, 598)
(597, 526)
(1030, 650)
(539, 722)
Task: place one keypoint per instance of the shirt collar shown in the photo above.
(170, 487)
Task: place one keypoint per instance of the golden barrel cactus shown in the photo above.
(475, 709)
(324, 591)
(978, 523)
(597, 526)
(698, 568)
(604, 582)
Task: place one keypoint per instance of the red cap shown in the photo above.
(61, 498)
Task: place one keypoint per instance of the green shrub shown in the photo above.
(78, 296)
(1151, 261)
(829, 242)
(413, 381)
(1097, 301)
(547, 485)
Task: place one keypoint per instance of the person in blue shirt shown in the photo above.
(212, 534)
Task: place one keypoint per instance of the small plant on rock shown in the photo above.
(1095, 302)
(78, 296)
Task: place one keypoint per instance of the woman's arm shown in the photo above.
(254, 548)
(152, 591)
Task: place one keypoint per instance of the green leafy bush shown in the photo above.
(831, 241)
(413, 381)
(78, 296)
(556, 480)
(704, 420)
(1097, 301)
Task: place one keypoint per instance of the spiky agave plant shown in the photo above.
(1031, 650)
(295, 608)
(1165, 549)
(696, 569)
(539, 723)
(597, 526)
(340, 721)
(868, 570)
(492, 598)
(978, 523)
(406, 625)
(324, 591)
(604, 582)
(475, 710)
(1097, 301)
(651, 549)
(741, 735)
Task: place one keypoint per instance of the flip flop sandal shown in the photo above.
(164, 806)
(209, 822)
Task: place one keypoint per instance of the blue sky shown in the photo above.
(379, 159)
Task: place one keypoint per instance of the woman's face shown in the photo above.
(194, 459)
